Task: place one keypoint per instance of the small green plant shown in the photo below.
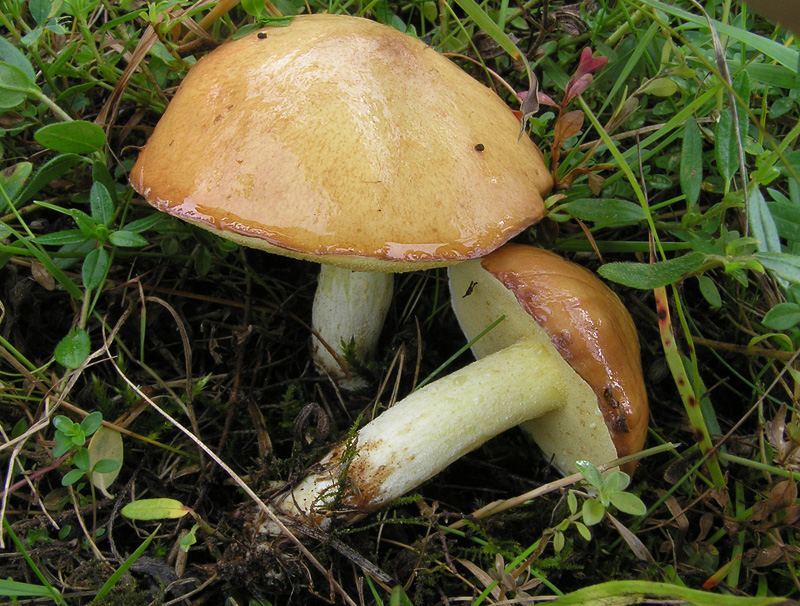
(72, 436)
(608, 491)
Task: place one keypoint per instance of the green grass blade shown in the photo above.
(484, 21)
(19, 590)
(114, 578)
(618, 593)
(783, 55)
(51, 591)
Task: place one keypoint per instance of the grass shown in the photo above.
(679, 186)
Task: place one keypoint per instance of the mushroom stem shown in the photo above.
(349, 306)
(437, 424)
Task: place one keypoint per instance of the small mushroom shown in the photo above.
(550, 384)
(586, 323)
(345, 142)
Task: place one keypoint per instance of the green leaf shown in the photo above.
(786, 215)
(785, 55)
(84, 222)
(660, 87)
(32, 37)
(583, 531)
(590, 473)
(123, 237)
(11, 589)
(100, 174)
(189, 539)
(105, 466)
(63, 444)
(107, 452)
(202, 261)
(155, 509)
(13, 56)
(605, 211)
(253, 7)
(81, 458)
(92, 422)
(101, 204)
(783, 265)
(120, 572)
(709, 291)
(617, 480)
(725, 146)
(628, 503)
(620, 593)
(78, 137)
(52, 169)
(782, 316)
(13, 178)
(170, 246)
(72, 476)
(780, 107)
(649, 276)
(40, 11)
(145, 223)
(73, 349)
(774, 75)
(572, 502)
(558, 541)
(63, 423)
(761, 222)
(60, 238)
(593, 511)
(95, 267)
(691, 161)
(15, 86)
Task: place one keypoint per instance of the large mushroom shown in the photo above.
(563, 363)
(345, 142)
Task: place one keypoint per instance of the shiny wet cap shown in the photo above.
(341, 140)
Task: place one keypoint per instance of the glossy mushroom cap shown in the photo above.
(341, 140)
(583, 318)
(783, 12)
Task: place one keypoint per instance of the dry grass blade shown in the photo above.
(238, 480)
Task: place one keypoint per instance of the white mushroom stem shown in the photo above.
(434, 426)
(349, 306)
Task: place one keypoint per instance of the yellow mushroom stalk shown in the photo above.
(422, 434)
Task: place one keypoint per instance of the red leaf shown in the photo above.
(576, 86)
(546, 100)
(588, 64)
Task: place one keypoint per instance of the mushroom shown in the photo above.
(345, 142)
(587, 324)
(566, 343)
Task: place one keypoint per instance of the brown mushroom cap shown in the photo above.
(341, 137)
(584, 319)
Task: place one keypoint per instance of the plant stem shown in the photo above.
(690, 400)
